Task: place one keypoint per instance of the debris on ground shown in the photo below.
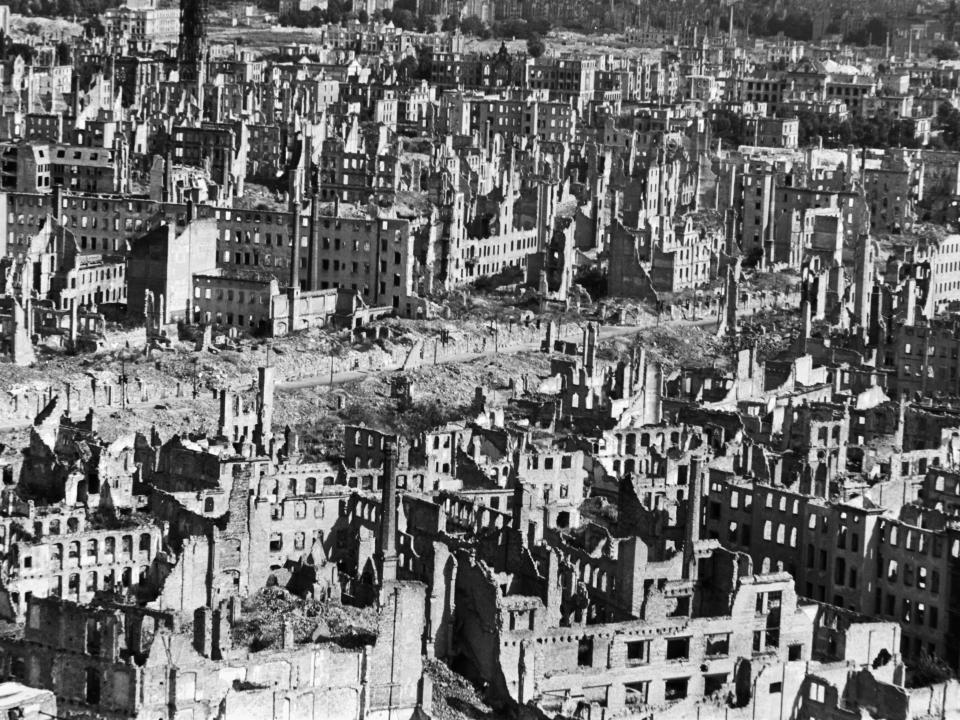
(260, 626)
(454, 698)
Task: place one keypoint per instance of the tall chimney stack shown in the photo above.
(387, 540)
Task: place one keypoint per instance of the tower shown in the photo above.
(191, 50)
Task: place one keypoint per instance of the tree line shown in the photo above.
(83, 9)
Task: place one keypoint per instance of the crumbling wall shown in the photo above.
(940, 700)
(879, 699)
(627, 276)
(395, 662)
(78, 652)
(478, 623)
(24, 403)
(186, 583)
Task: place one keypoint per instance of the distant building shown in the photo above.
(773, 132)
(163, 262)
(141, 26)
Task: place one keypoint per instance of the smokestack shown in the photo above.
(295, 251)
(168, 178)
(387, 540)
(692, 529)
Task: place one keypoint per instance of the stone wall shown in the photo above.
(706, 306)
(505, 338)
(21, 405)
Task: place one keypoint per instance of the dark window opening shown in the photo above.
(585, 652)
(678, 648)
(92, 687)
(93, 637)
(637, 652)
(636, 693)
(714, 683)
(676, 688)
(718, 644)
(683, 607)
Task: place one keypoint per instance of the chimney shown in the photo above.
(313, 231)
(168, 178)
(75, 89)
(694, 503)
(387, 539)
(294, 295)
(590, 347)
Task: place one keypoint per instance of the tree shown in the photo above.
(535, 46)
(927, 670)
(408, 68)
(474, 26)
(873, 33)
(424, 65)
(427, 24)
(540, 26)
(948, 123)
(94, 27)
(363, 16)
(450, 23)
(945, 51)
(27, 52)
(404, 19)
(64, 54)
(334, 14)
(794, 25)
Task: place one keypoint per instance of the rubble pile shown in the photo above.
(264, 615)
(454, 698)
